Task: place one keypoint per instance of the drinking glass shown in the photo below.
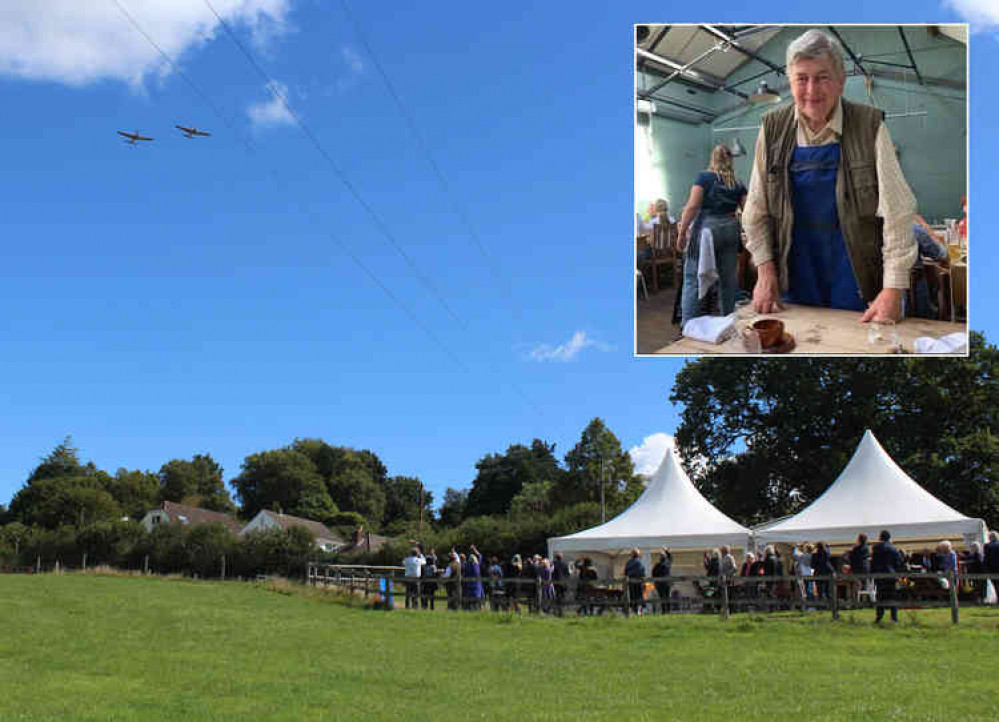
(882, 333)
(750, 339)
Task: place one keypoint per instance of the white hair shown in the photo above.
(815, 44)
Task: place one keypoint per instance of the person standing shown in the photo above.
(660, 572)
(429, 581)
(560, 576)
(634, 570)
(714, 199)
(860, 564)
(822, 567)
(829, 215)
(413, 565)
(472, 572)
(991, 560)
(885, 559)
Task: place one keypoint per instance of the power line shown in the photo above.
(276, 179)
(272, 87)
(428, 154)
(274, 176)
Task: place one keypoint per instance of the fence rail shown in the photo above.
(722, 595)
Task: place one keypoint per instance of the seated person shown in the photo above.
(931, 246)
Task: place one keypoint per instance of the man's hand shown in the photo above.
(887, 306)
(766, 296)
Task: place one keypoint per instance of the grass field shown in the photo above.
(92, 647)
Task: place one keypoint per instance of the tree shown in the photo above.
(135, 491)
(534, 498)
(453, 509)
(501, 477)
(405, 497)
(205, 545)
(197, 482)
(285, 479)
(63, 491)
(354, 479)
(64, 460)
(66, 501)
(598, 460)
(767, 438)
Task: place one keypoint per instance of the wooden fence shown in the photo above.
(721, 595)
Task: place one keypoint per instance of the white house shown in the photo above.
(267, 519)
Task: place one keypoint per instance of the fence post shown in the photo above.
(627, 598)
(835, 596)
(56, 566)
(223, 567)
(84, 561)
(461, 591)
(723, 588)
(537, 595)
(38, 564)
(953, 595)
(145, 565)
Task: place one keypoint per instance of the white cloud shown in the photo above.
(648, 455)
(271, 112)
(76, 43)
(353, 60)
(567, 351)
(977, 12)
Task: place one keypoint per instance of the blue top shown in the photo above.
(719, 199)
(927, 246)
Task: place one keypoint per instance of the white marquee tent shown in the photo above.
(872, 493)
(670, 512)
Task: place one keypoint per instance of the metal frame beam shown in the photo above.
(696, 77)
(850, 52)
(908, 50)
(735, 44)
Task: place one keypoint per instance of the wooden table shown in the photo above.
(825, 332)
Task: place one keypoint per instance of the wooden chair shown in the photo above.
(663, 253)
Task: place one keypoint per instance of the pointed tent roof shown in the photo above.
(670, 512)
(870, 494)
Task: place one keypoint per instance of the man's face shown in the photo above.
(816, 87)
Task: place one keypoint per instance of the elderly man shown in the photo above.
(828, 218)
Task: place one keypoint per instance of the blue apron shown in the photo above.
(819, 269)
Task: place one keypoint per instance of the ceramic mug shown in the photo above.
(770, 330)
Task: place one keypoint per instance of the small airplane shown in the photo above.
(191, 132)
(131, 138)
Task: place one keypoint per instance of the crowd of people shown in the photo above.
(470, 581)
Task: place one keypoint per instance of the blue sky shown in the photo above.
(193, 296)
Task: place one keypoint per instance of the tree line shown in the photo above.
(760, 438)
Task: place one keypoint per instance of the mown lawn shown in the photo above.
(90, 647)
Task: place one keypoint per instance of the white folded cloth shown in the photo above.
(951, 343)
(707, 271)
(712, 329)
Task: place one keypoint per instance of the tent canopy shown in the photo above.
(872, 493)
(670, 512)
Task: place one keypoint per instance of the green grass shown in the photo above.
(90, 647)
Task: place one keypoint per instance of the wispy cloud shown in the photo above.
(648, 455)
(978, 12)
(77, 43)
(352, 59)
(271, 112)
(355, 68)
(569, 350)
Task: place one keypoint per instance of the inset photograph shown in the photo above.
(801, 190)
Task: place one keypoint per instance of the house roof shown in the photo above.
(316, 528)
(870, 494)
(671, 511)
(365, 542)
(193, 516)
